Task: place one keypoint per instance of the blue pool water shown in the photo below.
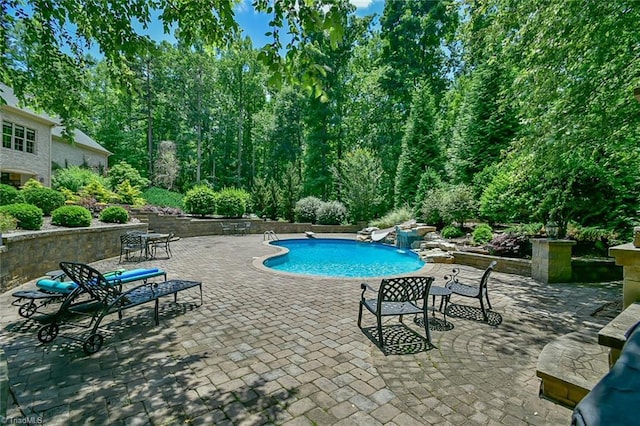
(343, 258)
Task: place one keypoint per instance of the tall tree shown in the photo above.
(414, 33)
(62, 30)
(420, 147)
(359, 178)
(485, 124)
(241, 79)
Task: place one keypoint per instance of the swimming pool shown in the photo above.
(342, 258)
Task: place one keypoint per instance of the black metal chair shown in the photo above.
(398, 297)
(130, 244)
(479, 291)
(162, 244)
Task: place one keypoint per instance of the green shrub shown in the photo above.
(70, 196)
(71, 216)
(163, 197)
(591, 240)
(74, 178)
(9, 195)
(264, 198)
(98, 190)
(331, 213)
(526, 229)
(129, 194)
(200, 200)
(394, 217)
(32, 184)
(124, 171)
(46, 198)
(114, 214)
(451, 231)
(232, 202)
(7, 222)
(482, 234)
(287, 192)
(29, 217)
(306, 209)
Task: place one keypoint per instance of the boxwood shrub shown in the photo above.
(46, 198)
(114, 214)
(71, 216)
(451, 231)
(200, 200)
(29, 217)
(232, 202)
(9, 195)
(482, 234)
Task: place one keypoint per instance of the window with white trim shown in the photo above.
(20, 138)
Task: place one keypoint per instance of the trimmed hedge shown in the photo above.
(46, 198)
(114, 214)
(9, 195)
(71, 216)
(29, 217)
(232, 202)
(200, 200)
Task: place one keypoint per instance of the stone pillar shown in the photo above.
(628, 256)
(551, 260)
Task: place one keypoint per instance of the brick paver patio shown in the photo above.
(268, 348)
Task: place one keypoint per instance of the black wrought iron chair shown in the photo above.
(479, 291)
(398, 297)
(129, 245)
(162, 244)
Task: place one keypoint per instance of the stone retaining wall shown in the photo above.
(185, 227)
(505, 264)
(28, 255)
(582, 270)
(25, 256)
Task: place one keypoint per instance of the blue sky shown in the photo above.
(255, 25)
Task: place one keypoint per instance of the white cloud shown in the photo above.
(243, 6)
(361, 4)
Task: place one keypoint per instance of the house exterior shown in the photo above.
(33, 143)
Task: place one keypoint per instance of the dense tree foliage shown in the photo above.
(522, 109)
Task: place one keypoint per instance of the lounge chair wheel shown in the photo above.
(27, 309)
(92, 344)
(47, 333)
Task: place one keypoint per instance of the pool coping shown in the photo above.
(258, 263)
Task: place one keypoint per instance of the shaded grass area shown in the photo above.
(163, 197)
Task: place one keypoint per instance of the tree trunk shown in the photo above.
(240, 127)
(199, 124)
(149, 120)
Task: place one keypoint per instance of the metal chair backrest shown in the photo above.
(485, 276)
(131, 240)
(91, 281)
(404, 289)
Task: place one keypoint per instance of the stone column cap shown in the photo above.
(553, 241)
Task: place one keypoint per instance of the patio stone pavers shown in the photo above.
(268, 348)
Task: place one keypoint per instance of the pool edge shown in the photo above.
(258, 263)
